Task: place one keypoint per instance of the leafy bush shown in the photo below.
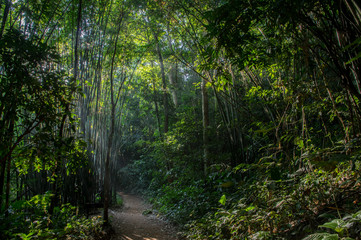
(184, 202)
(287, 209)
(30, 219)
(344, 229)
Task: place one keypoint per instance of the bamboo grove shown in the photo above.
(203, 98)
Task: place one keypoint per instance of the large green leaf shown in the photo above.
(337, 225)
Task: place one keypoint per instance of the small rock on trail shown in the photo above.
(129, 223)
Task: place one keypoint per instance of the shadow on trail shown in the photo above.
(129, 223)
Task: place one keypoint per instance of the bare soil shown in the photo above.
(129, 223)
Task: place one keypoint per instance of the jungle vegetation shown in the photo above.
(237, 119)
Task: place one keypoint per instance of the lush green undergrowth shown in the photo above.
(251, 202)
(31, 220)
(291, 208)
(313, 195)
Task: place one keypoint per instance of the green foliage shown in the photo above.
(31, 220)
(119, 201)
(223, 200)
(348, 226)
(35, 113)
(266, 209)
(283, 136)
(182, 202)
(165, 160)
(31, 91)
(322, 236)
(284, 131)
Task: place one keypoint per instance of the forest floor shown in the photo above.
(129, 222)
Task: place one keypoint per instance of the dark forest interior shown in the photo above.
(234, 119)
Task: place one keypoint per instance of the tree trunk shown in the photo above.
(5, 16)
(107, 189)
(155, 99)
(2, 179)
(5, 167)
(77, 39)
(172, 75)
(8, 178)
(205, 117)
(165, 97)
(107, 160)
(55, 187)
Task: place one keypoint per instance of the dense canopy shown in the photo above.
(236, 119)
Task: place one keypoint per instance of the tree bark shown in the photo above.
(155, 99)
(172, 75)
(77, 39)
(164, 84)
(2, 179)
(205, 117)
(6, 167)
(5, 16)
(111, 132)
(8, 178)
(55, 187)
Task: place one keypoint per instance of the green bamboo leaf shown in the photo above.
(223, 200)
(354, 58)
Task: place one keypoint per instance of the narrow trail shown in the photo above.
(129, 223)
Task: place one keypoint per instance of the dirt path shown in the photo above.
(129, 223)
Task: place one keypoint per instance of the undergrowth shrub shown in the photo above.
(31, 220)
(283, 209)
(344, 229)
(183, 202)
(259, 200)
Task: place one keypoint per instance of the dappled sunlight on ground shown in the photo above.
(137, 237)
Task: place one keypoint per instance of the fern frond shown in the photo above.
(321, 236)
